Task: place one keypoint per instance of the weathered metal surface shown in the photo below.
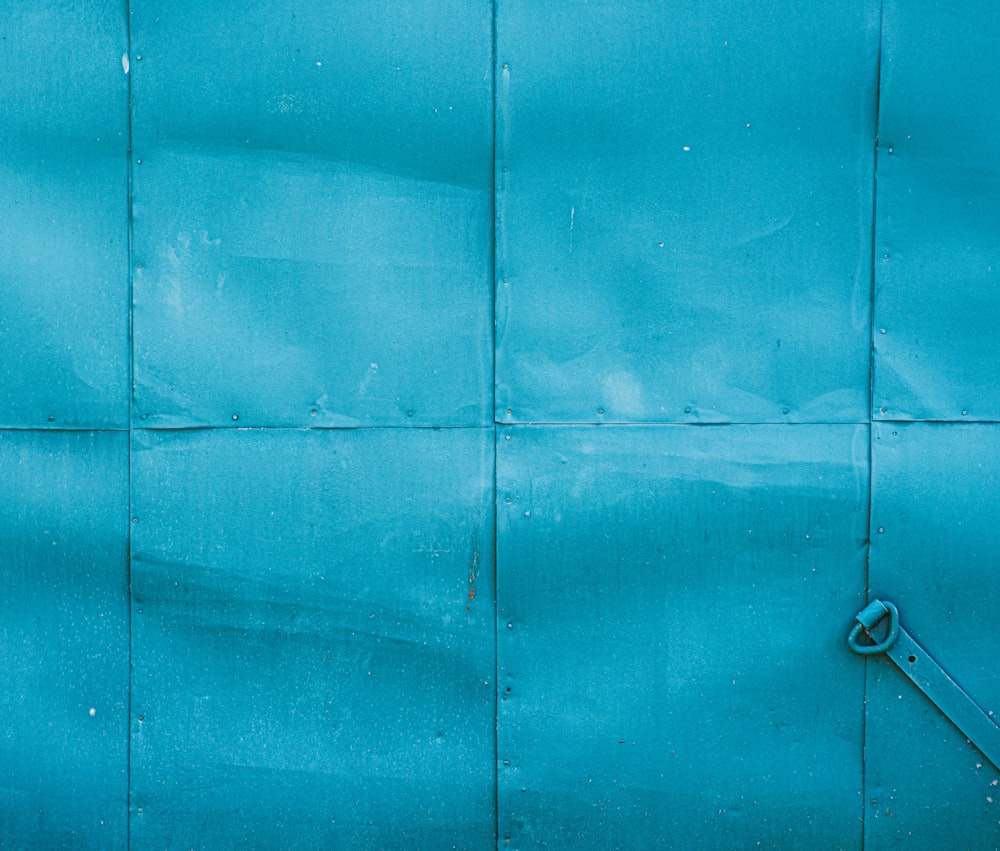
(684, 202)
(937, 301)
(933, 553)
(313, 639)
(683, 234)
(64, 639)
(934, 541)
(64, 314)
(313, 214)
(668, 674)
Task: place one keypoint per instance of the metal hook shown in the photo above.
(867, 619)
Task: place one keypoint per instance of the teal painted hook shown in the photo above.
(867, 619)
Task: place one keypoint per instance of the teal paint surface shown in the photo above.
(673, 226)
(313, 639)
(934, 545)
(933, 497)
(937, 303)
(64, 631)
(667, 678)
(312, 214)
(64, 322)
(684, 222)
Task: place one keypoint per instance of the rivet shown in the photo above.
(506, 437)
(138, 162)
(600, 411)
(687, 409)
(881, 529)
(965, 413)
(145, 416)
(409, 413)
(784, 410)
(882, 410)
(881, 330)
(138, 58)
(135, 521)
(52, 419)
(510, 626)
(235, 417)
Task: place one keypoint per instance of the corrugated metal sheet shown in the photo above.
(937, 304)
(64, 326)
(667, 677)
(684, 202)
(313, 638)
(934, 548)
(312, 214)
(64, 628)
(409, 533)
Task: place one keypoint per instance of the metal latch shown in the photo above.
(890, 638)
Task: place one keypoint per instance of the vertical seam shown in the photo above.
(871, 410)
(131, 398)
(493, 403)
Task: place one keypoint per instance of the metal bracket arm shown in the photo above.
(975, 724)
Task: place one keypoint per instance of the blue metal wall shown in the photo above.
(935, 544)
(476, 424)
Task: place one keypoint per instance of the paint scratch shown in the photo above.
(473, 570)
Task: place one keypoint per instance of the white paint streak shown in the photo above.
(623, 394)
(125, 62)
(572, 216)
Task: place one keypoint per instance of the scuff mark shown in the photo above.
(125, 62)
(765, 232)
(572, 216)
(370, 374)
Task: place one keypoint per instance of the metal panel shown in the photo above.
(313, 639)
(64, 634)
(64, 346)
(673, 670)
(937, 306)
(684, 210)
(933, 554)
(312, 214)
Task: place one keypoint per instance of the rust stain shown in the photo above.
(473, 569)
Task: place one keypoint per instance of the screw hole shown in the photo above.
(912, 659)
